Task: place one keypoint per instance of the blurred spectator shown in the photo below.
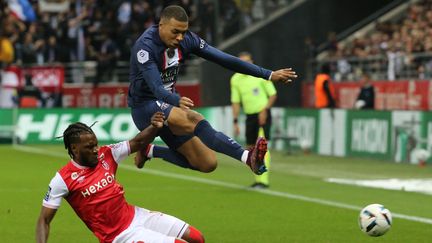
(324, 91)
(54, 52)
(106, 58)
(366, 97)
(30, 96)
(6, 51)
(404, 43)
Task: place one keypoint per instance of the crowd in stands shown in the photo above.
(104, 30)
(403, 43)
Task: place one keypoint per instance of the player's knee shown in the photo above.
(195, 236)
(208, 166)
(194, 116)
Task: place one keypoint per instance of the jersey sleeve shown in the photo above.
(120, 151)
(235, 92)
(57, 189)
(146, 62)
(200, 48)
(269, 88)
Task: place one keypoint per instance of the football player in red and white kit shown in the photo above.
(88, 184)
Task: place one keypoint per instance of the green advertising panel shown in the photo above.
(426, 132)
(302, 124)
(369, 134)
(44, 125)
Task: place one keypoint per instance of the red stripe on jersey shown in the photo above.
(180, 54)
(164, 65)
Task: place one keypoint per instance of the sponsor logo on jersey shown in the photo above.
(142, 56)
(47, 195)
(169, 76)
(163, 105)
(107, 180)
(101, 156)
(105, 165)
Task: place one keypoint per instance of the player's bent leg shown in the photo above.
(192, 235)
(183, 122)
(198, 155)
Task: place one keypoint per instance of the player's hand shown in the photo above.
(262, 117)
(285, 75)
(157, 119)
(186, 103)
(236, 130)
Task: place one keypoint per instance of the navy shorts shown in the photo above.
(142, 116)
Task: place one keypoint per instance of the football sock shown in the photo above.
(264, 178)
(218, 141)
(171, 156)
(195, 235)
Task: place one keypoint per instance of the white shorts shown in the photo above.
(152, 227)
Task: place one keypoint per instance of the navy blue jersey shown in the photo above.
(154, 67)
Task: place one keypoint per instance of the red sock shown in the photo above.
(195, 235)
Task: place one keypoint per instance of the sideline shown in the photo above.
(230, 185)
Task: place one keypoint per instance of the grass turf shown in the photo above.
(219, 203)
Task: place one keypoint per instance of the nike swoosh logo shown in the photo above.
(171, 63)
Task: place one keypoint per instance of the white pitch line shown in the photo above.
(231, 185)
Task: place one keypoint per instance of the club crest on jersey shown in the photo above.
(142, 56)
(81, 179)
(105, 165)
(74, 175)
(172, 57)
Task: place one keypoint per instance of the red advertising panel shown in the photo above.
(47, 78)
(115, 95)
(389, 95)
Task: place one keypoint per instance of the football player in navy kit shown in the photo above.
(154, 65)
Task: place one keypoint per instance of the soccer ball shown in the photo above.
(375, 220)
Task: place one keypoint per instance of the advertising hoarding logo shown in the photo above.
(369, 135)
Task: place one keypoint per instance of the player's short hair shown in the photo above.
(72, 135)
(176, 12)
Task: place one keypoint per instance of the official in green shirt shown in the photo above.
(256, 96)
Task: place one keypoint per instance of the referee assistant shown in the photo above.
(256, 96)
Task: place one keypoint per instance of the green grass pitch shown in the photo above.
(299, 207)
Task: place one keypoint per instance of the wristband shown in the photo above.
(235, 121)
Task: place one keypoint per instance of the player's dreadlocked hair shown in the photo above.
(72, 134)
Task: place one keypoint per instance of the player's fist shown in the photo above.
(186, 103)
(157, 119)
(283, 75)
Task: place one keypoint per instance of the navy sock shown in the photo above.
(218, 141)
(171, 156)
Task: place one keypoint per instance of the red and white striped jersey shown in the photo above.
(94, 194)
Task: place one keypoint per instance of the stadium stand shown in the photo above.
(397, 48)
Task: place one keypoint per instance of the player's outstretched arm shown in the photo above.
(147, 135)
(285, 75)
(43, 224)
